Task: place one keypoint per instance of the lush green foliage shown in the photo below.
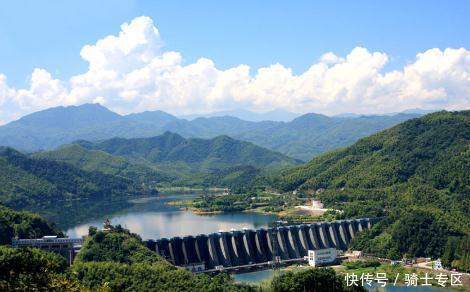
(172, 160)
(197, 154)
(312, 134)
(248, 200)
(30, 183)
(361, 264)
(33, 270)
(314, 280)
(148, 277)
(118, 260)
(417, 174)
(237, 178)
(94, 160)
(457, 253)
(117, 245)
(22, 225)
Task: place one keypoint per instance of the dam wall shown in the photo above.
(246, 247)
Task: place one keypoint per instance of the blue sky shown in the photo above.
(49, 34)
(193, 57)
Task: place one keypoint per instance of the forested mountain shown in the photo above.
(153, 174)
(302, 138)
(416, 173)
(313, 134)
(23, 224)
(96, 160)
(29, 183)
(53, 127)
(200, 155)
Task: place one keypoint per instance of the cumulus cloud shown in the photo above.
(131, 72)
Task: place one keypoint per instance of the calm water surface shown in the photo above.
(152, 218)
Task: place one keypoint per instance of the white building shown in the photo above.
(317, 204)
(357, 253)
(321, 256)
(437, 264)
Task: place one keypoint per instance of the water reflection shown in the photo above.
(152, 218)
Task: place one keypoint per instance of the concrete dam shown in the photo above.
(247, 247)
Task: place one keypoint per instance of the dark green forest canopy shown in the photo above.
(119, 259)
(199, 154)
(32, 183)
(23, 224)
(170, 159)
(416, 173)
(312, 280)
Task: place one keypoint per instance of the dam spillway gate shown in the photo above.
(251, 247)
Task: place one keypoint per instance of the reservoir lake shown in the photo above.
(153, 218)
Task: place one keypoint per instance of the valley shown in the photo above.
(229, 146)
(411, 176)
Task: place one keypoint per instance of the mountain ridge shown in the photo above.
(303, 138)
(203, 154)
(415, 175)
(27, 182)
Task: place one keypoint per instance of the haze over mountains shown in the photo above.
(277, 115)
(301, 138)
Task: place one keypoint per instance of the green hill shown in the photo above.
(170, 159)
(22, 225)
(31, 183)
(96, 160)
(198, 155)
(417, 174)
(313, 134)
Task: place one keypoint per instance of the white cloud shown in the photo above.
(131, 73)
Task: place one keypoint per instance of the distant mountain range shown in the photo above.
(302, 138)
(278, 115)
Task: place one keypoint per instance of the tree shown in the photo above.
(311, 280)
(33, 269)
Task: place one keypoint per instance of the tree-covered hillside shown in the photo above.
(196, 154)
(96, 160)
(23, 224)
(117, 259)
(113, 260)
(30, 183)
(417, 174)
(312, 134)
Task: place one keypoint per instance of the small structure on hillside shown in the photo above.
(317, 204)
(321, 257)
(107, 225)
(357, 253)
(437, 264)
